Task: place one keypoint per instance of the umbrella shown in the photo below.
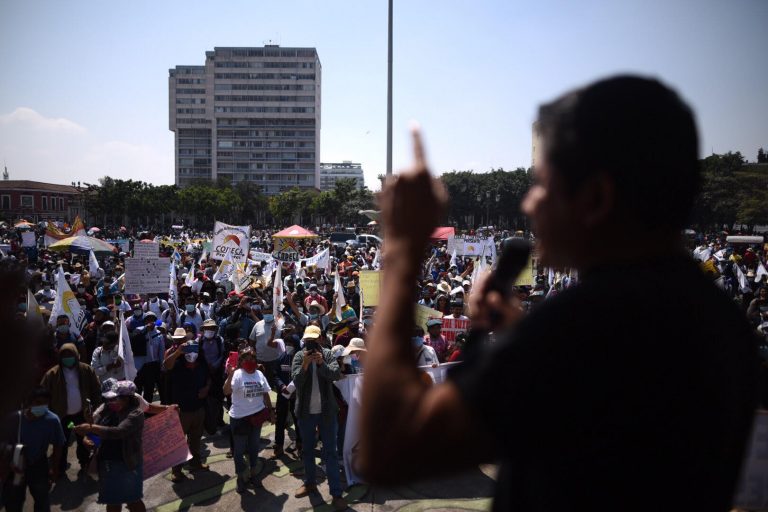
(373, 223)
(94, 229)
(23, 224)
(83, 244)
(294, 232)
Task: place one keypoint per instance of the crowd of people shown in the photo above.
(182, 345)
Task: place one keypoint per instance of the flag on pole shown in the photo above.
(376, 259)
(277, 291)
(760, 272)
(124, 350)
(340, 302)
(551, 277)
(190, 279)
(93, 264)
(453, 259)
(173, 290)
(743, 283)
(203, 256)
(223, 272)
(33, 309)
(66, 304)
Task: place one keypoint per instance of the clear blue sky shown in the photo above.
(84, 87)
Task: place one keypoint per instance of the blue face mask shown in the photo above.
(417, 341)
(190, 308)
(269, 318)
(38, 410)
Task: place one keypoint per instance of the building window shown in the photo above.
(45, 202)
(27, 202)
(5, 202)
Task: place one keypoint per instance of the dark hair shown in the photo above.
(37, 393)
(640, 133)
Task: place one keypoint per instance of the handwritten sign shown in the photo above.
(423, 313)
(752, 492)
(370, 284)
(146, 250)
(146, 275)
(527, 276)
(164, 443)
(452, 327)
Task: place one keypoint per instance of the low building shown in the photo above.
(36, 201)
(330, 172)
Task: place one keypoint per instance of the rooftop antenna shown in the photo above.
(5, 171)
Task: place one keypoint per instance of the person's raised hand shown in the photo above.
(413, 203)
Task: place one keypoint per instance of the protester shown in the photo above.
(106, 361)
(118, 430)
(605, 389)
(190, 383)
(74, 390)
(251, 406)
(314, 370)
(37, 429)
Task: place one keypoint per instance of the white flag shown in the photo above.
(377, 259)
(190, 279)
(551, 277)
(453, 259)
(203, 256)
(340, 302)
(222, 273)
(277, 291)
(760, 272)
(33, 309)
(124, 350)
(743, 283)
(66, 304)
(173, 291)
(93, 264)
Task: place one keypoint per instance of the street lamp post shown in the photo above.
(389, 91)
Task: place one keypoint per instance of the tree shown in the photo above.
(762, 156)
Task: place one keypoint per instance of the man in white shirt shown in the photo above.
(155, 304)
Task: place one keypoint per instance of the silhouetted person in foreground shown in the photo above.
(633, 390)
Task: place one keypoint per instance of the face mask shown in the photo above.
(190, 308)
(249, 366)
(191, 358)
(63, 329)
(269, 318)
(417, 341)
(137, 313)
(153, 299)
(69, 362)
(114, 406)
(208, 334)
(313, 316)
(38, 410)
(47, 288)
(313, 293)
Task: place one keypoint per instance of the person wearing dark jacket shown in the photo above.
(71, 385)
(118, 427)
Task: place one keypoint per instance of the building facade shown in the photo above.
(36, 201)
(330, 172)
(248, 114)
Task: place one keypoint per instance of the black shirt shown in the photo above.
(634, 390)
(187, 382)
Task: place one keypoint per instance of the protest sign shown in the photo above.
(752, 493)
(465, 245)
(67, 304)
(424, 313)
(370, 285)
(164, 443)
(452, 327)
(230, 242)
(260, 256)
(28, 239)
(528, 275)
(319, 260)
(286, 250)
(145, 249)
(146, 275)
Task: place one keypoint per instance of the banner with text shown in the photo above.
(230, 243)
(452, 327)
(164, 443)
(466, 245)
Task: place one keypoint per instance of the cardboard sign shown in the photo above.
(424, 313)
(146, 250)
(370, 286)
(146, 275)
(230, 243)
(164, 443)
(470, 245)
(528, 275)
(452, 327)
(28, 239)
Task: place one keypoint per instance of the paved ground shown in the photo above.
(215, 489)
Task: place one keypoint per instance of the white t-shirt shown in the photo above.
(74, 400)
(247, 393)
(260, 334)
(426, 356)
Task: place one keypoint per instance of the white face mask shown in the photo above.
(191, 357)
(208, 334)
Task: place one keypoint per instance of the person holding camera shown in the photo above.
(251, 407)
(314, 370)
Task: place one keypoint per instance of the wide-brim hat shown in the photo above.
(315, 304)
(179, 334)
(210, 323)
(355, 345)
